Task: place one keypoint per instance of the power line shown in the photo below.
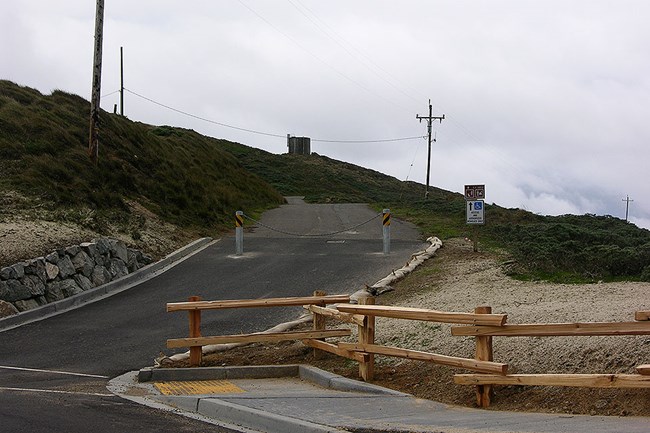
(384, 140)
(305, 49)
(109, 94)
(214, 122)
(415, 155)
(342, 42)
(267, 134)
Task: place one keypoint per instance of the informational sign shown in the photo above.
(474, 192)
(475, 211)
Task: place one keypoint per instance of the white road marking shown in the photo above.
(53, 371)
(55, 391)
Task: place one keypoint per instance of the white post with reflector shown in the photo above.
(386, 224)
(239, 233)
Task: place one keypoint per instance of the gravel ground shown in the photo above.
(458, 279)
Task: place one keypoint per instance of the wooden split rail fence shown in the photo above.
(484, 381)
(196, 341)
(481, 324)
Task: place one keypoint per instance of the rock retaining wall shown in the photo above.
(66, 272)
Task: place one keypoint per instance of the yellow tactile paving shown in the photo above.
(198, 387)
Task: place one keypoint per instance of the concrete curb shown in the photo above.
(311, 374)
(106, 290)
(259, 420)
(251, 418)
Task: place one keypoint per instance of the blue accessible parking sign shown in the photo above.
(475, 212)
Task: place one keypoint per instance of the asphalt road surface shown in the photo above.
(53, 373)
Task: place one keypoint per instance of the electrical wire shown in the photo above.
(267, 134)
(415, 155)
(384, 140)
(109, 94)
(357, 55)
(305, 49)
(214, 122)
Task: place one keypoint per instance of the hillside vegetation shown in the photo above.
(198, 182)
(178, 174)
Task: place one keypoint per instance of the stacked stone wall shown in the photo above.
(66, 272)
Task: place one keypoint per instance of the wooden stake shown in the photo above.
(367, 336)
(484, 353)
(196, 352)
(319, 324)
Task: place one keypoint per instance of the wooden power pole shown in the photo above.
(627, 201)
(430, 118)
(121, 81)
(93, 146)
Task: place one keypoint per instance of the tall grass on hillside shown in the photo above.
(180, 175)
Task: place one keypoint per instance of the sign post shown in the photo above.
(475, 209)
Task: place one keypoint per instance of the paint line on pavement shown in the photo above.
(36, 370)
(54, 391)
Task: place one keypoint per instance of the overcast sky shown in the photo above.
(545, 102)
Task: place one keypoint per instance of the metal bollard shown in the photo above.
(386, 221)
(239, 233)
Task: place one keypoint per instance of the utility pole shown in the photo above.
(93, 146)
(430, 118)
(121, 81)
(627, 201)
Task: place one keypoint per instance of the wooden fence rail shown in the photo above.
(257, 337)
(555, 329)
(424, 315)
(452, 361)
(253, 303)
(195, 305)
(573, 380)
(641, 380)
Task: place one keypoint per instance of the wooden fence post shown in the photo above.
(484, 353)
(367, 336)
(319, 323)
(196, 352)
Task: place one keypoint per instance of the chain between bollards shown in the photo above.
(239, 230)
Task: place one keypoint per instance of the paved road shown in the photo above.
(126, 331)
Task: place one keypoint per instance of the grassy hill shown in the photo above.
(178, 174)
(199, 182)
